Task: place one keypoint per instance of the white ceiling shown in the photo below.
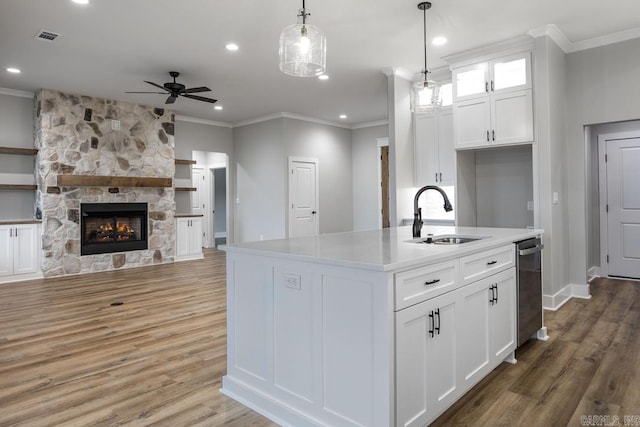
(112, 46)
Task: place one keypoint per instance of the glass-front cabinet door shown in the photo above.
(470, 81)
(511, 73)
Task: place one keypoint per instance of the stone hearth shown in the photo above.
(79, 135)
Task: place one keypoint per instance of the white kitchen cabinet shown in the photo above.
(426, 355)
(19, 252)
(434, 150)
(493, 102)
(188, 238)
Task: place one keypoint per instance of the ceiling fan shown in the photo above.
(175, 90)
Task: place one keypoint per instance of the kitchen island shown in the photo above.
(368, 328)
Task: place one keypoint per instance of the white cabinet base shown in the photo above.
(188, 238)
(19, 252)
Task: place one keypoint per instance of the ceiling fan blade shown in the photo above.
(162, 93)
(156, 85)
(197, 89)
(200, 98)
(171, 99)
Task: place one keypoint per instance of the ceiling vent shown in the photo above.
(45, 35)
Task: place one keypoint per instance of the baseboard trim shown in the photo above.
(221, 234)
(593, 273)
(21, 277)
(560, 298)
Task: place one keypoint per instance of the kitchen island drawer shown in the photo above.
(421, 284)
(478, 266)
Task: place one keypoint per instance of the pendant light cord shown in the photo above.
(424, 33)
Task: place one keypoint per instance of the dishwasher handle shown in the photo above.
(529, 251)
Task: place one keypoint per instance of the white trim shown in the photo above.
(203, 121)
(607, 39)
(400, 72)
(370, 124)
(511, 46)
(560, 298)
(13, 92)
(220, 234)
(289, 116)
(555, 34)
(593, 273)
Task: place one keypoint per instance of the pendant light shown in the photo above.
(425, 93)
(303, 48)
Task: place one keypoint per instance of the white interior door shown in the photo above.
(623, 200)
(303, 197)
(210, 225)
(199, 198)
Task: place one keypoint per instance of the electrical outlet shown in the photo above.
(530, 205)
(556, 198)
(292, 281)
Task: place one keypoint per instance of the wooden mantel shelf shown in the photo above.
(185, 162)
(112, 181)
(21, 151)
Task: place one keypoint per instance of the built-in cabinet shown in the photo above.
(188, 238)
(434, 150)
(492, 102)
(463, 328)
(19, 251)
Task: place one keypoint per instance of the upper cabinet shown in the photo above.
(434, 151)
(492, 102)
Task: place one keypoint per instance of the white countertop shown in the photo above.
(382, 250)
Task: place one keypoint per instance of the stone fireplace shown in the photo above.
(87, 136)
(112, 227)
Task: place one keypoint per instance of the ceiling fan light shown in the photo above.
(303, 49)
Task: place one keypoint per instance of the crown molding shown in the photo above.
(284, 115)
(555, 34)
(618, 37)
(19, 93)
(370, 124)
(514, 45)
(399, 72)
(203, 121)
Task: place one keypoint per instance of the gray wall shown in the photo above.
(602, 88)
(16, 122)
(262, 152)
(504, 185)
(365, 161)
(191, 137)
(331, 145)
(261, 166)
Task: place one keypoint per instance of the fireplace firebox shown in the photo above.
(112, 227)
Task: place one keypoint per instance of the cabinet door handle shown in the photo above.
(492, 262)
(431, 324)
(486, 87)
(11, 232)
(431, 282)
(436, 176)
(491, 299)
(492, 87)
(437, 328)
(493, 135)
(496, 288)
(16, 233)
(487, 136)
(440, 176)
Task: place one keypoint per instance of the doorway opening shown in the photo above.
(210, 178)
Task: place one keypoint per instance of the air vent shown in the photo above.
(48, 36)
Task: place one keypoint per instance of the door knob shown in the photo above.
(313, 212)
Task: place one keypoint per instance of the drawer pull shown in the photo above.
(431, 282)
(492, 262)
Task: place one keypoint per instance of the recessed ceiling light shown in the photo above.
(439, 41)
(232, 47)
(343, 116)
(323, 77)
(13, 70)
(81, 1)
(218, 107)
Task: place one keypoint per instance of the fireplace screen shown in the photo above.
(113, 227)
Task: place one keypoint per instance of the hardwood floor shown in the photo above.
(67, 357)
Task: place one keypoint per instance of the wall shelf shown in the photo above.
(20, 151)
(112, 181)
(186, 189)
(185, 162)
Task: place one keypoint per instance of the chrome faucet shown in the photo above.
(417, 212)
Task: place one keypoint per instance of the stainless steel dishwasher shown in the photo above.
(529, 289)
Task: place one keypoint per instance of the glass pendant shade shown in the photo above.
(303, 51)
(426, 95)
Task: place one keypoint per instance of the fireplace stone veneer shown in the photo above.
(82, 135)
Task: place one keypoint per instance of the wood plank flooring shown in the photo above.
(69, 358)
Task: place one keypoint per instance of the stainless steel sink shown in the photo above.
(447, 239)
